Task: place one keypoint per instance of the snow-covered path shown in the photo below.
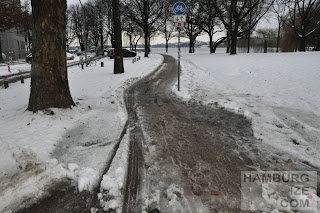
(191, 152)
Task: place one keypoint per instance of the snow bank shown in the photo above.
(25, 178)
(113, 183)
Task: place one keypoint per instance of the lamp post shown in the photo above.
(85, 34)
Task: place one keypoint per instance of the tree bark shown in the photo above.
(167, 45)
(1, 59)
(228, 46)
(234, 37)
(302, 43)
(190, 44)
(82, 46)
(118, 59)
(49, 79)
(211, 44)
(146, 45)
(278, 37)
(317, 46)
(249, 40)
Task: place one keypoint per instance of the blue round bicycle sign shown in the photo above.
(179, 8)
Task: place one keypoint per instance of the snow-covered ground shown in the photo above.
(279, 92)
(39, 150)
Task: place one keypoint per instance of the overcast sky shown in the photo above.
(69, 2)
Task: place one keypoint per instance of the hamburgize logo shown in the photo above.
(179, 8)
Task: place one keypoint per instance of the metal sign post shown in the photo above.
(179, 9)
(179, 50)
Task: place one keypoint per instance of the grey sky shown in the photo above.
(69, 2)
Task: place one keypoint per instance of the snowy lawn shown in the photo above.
(278, 92)
(39, 150)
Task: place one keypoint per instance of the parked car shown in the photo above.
(100, 52)
(29, 57)
(125, 53)
(4, 56)
(80, 53)
(70, 56)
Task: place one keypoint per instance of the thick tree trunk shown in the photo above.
(211, 44)
(82, 46)
(101, 42)
(228, 45)
(233, 50)
(193, 45)
(130, 40)
(101, 36)
(49, 79)
(149, 44)
(167, 46)
(249, 40)
(303, 44)
(317, 46)
(118, 59)
(278, 37)
(146, 44)
(112, 39)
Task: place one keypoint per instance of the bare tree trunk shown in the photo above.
(1, 59)
(146, 45)
(317, 46)
(211, 44)
(193, 45)
(101, 42)
(167, 45)
(190, 44)
(112, 38)
(233, 50)
(131, 44)
(302, 43)
(249, 40)
(228, 46)
(118, 59)
(265, 46)
(278, 36)
(149, 44)
(49, 79)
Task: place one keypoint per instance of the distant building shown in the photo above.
(13, 44)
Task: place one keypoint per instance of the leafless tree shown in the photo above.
(70, 36)
(280, 10)
(76, 13)
(146, 14)
(193, 27)
(167, 26)
(233, 13)
(208, 20)
(302, 18)
(133, 32)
